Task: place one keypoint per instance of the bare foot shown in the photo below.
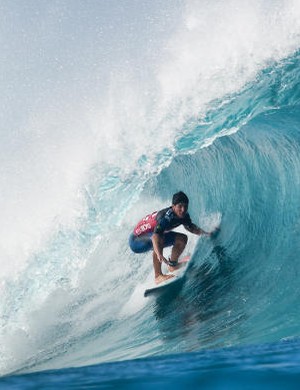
(163, 278)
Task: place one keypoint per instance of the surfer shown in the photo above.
(154, 232)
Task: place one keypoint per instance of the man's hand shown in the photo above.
(200, 232)
(215, 232)
(162, 259)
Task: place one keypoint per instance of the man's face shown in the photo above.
(180, 209)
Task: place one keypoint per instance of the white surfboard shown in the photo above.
(161, 288)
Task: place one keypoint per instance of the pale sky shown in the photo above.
(56, 50)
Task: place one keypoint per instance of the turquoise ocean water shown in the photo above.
(222, 126)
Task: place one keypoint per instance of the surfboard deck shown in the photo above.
(169, 284)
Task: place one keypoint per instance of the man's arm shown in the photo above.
(158, 244)
(196, 230)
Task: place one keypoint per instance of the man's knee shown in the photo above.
(181, 239)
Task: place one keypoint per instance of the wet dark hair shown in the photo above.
(180, 197)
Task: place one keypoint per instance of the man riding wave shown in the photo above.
(154, 232)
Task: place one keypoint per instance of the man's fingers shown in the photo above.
(164, 260)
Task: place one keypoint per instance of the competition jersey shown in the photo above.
(160, 222)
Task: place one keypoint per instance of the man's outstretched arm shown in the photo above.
(196, 230)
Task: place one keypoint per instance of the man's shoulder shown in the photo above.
(166, 214)
(163, 212)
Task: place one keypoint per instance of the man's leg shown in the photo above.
(178, 247)
(158, 275)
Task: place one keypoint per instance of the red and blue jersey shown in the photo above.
(160, 222)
